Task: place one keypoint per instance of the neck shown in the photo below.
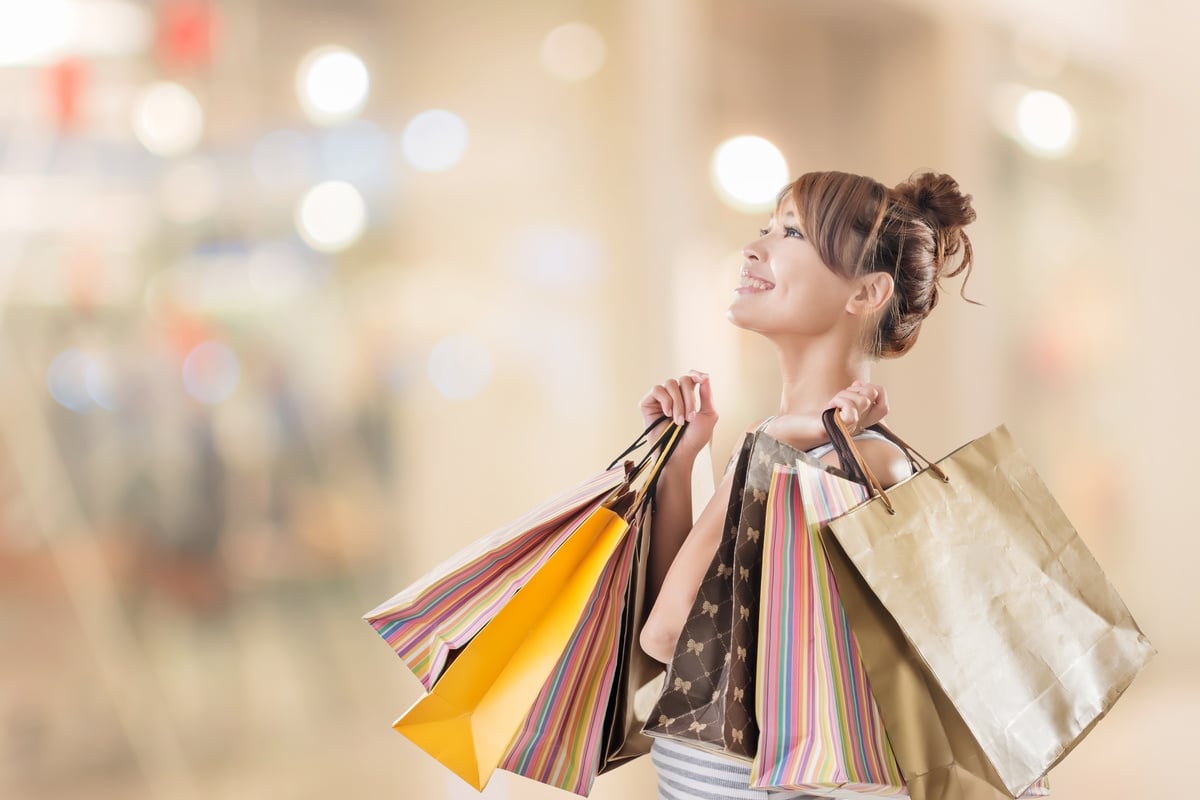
(814, 370)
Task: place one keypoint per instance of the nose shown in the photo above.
(752, 251)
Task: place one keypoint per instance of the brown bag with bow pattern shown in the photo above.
(708, 697)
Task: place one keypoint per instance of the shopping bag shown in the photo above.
(819, 728)
(469, 718)
(524, 693)
(429, 622)
(562, 738)
(637, 673)
(992, 639)
(708, 697)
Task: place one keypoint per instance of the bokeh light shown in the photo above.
(331, 216)
(1046, 123)
(434, 140)
(168, 119)
(36, 32)
(67, 379)
(748, 172)
(110, 28)
(211, 372)
(460, 366)
(332, 84)
(573, 52)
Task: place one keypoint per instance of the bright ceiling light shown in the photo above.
(1046, 123)
(332, 84)
(168, 119)
(331, 216)
(36, 32)
(748, 172)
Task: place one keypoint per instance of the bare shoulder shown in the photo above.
(887, 461)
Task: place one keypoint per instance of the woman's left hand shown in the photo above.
(860, 405)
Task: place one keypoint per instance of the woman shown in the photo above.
(842, 275)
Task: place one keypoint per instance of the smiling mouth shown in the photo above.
(750, 282)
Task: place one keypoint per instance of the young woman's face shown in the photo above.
(784, 286)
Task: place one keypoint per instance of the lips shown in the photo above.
(752, 281)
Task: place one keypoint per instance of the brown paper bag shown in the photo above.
(992, 639)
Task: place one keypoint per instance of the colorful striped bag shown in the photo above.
(819, 728)
(535, 681)
(429, 622)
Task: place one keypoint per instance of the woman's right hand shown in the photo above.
(684, 399)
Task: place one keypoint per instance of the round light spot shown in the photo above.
(331, 216)
(211, 372)
(748, 172)
(460, 366)
(168, 119)
(36, 32)
(573, 52)
(191, 191)
(1046, 123)
(67, 379)
(434, 140)
(332, 84)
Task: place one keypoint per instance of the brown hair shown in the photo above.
(911, 232)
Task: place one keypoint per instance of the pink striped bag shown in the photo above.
(431, 620)
(582, 722)
(820, 729)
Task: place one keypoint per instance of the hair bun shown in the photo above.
(939, 199)
(936, 198)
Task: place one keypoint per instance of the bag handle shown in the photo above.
(664, 445)
(641, 440)
(672, 436)
(853, 462)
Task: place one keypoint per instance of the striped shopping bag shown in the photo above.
(520, 639)
(429, 622)
(819, 728)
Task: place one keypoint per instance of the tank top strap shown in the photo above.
(821, 450)
(765, 422)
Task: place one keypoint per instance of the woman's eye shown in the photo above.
(762, 231)
(793, 232)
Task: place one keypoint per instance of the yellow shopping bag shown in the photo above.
(470, 717)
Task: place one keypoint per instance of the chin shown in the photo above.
(739, 320)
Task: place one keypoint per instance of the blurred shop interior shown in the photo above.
(299, 296)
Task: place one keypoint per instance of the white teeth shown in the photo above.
(755, 283)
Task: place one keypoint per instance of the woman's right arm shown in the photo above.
(680, 554)
(688, 399)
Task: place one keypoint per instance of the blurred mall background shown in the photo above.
(299, 296)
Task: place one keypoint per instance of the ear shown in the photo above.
(872, 294)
